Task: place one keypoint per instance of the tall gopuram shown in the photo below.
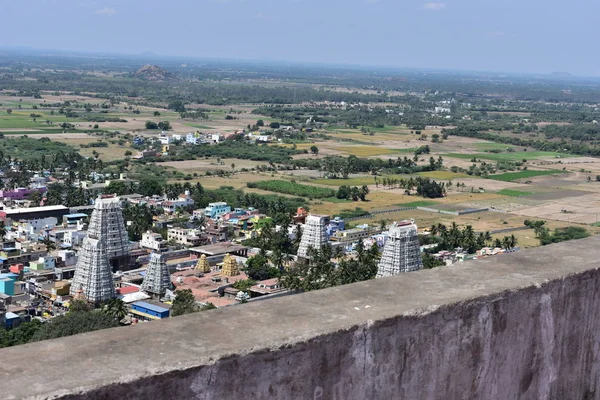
(230, 266)
(157, 279)
(107, 223)
(93, 275)
(314, 234)
(401, 252)
(202, 264)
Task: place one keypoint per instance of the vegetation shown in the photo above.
(293, 188)
(184, 303)
(513, 176)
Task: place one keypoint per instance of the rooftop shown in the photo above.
(34, 209)
(218, 248)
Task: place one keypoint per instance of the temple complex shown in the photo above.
(93, 275)
(107, 222)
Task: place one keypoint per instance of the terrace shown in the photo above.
(522, 325)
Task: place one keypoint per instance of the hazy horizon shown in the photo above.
(465, 35)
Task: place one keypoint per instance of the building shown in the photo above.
(314, 234)
(20, 193)
(215, 210)
(203, 265)
(153, 241)
(187, 237)
(33, 214)
(157, 279)
(93, 273)
(149, 312)
(401, 252)
(107, 223)
(230, 266)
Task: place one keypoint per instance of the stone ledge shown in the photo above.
(515, 325)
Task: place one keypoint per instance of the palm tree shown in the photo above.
(116, 308)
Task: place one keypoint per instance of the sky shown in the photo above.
(533, 36)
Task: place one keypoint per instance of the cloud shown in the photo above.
(495, 34)
(106, 11)
(434, 6)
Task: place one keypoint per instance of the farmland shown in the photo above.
(293, 188)
(513, 176)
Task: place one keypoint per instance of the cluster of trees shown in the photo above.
(184, 303)
(162, 125)
(319, 271)
(450, 238)
(424, 187)
(353, 193)
(542, 232)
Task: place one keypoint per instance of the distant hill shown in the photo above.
(561, 74)
(152, 73)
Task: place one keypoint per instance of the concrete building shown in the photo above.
(153, 241)
(401, 252)
(107, 223)
(33, 214)
(215, 210)
(187, 237)
(157, 279)
(314, 234)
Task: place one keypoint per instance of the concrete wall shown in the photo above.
(517, 326)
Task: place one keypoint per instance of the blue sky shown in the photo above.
(499, 35)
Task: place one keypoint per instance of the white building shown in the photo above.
(187, 237)
(314, 234)
(402, 251)
(153, 241)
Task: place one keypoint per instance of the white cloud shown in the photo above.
(261, 15)
(106, 11)
(434, 6)
(495, 34)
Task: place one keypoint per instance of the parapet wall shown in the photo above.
(515, 326)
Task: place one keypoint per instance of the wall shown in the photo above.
(515, 326)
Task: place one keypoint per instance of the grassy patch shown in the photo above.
(514, 193)
(483, 146)
(513, 176)
(419, 203)
(336, 200)
(445, 175)
(358, 181)
(293, 188)
(367, 151)
(515, 156)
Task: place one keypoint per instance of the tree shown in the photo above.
(259, 269)
(184, 303)
(177, 106)
(74, 323)
(116, 187)
(164, 126)
(115, 308)
(156, 114)
(128, 153)
(151, 125)
(314, 150)
(260, 122)
(2, 230)
(8, 111)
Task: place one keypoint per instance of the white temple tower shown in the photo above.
(107, 223)
(314, 234)
(93, 274)
(157, 279)
(401, 252)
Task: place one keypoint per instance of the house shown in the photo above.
(193, 138)
(215, 210)
(183, 201)
(153, 241)
(163, 138)
(187, 237)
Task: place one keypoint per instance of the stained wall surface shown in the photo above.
(518, 326)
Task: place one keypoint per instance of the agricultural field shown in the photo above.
(509, 156)
(514, 193)
(293, 188)
(514, 176)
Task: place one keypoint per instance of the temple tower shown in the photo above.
(93, 275)
(314, 234)
(157, 279)
(107, 223)
(401, 252)
(230, 266)
(203, 265)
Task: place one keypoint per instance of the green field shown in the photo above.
(514, 193)
(483, 146)
(419, 203)
(513, 176)
(359, 181)
(445, 175)
(515, 156)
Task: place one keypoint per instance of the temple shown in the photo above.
(203, 265)
(157, 279)
(93, 275)
(230, 266)
(107, 222)
(314, 234)
(401, 252)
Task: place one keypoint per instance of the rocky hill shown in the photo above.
(152, 73)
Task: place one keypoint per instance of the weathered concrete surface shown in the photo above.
(519, 326)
